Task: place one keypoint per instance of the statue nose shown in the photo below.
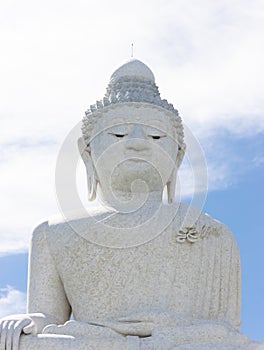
(137, 140)
(137, 144)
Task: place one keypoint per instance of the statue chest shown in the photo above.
(187, 278)
(102, 282)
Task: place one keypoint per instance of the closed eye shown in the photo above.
(118, 135)
(157, 137)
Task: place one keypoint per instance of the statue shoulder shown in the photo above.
(38, 242)
(84, 215)
(203, 224)
(69, 227)
(40, 231)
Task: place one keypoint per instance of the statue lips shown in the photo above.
(138, 155)
(137, 163)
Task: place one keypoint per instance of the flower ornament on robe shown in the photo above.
(192, 234)
(189, 234)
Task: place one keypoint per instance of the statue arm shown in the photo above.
(214, 273)
(47, 301)
(46, 293)
(233, 297)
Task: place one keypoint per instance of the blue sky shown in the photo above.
(207, 58)
(240, 206)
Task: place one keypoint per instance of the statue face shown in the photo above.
(133, 149)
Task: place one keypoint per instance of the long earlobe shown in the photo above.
(90, 172)
(171, 184)
(180, 155)
(91, 181)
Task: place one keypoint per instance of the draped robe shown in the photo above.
(199, 278)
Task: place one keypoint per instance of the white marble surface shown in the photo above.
(135, 273)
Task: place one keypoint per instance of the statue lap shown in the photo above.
(62, 342)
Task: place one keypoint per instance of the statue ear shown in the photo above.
(180, 155)
(85, 153)
(171, 184)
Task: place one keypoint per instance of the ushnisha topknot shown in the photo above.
(131, 83)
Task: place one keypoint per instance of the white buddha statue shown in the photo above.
(135, 273)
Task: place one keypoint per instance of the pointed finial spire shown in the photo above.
(132, 50)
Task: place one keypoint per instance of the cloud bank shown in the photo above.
(12, 301)
(56, 60)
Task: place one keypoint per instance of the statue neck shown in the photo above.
(128, 202)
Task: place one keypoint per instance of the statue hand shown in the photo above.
(12, 327)
(157, 317)
(109, 328)
(137, 328)
(76, 329)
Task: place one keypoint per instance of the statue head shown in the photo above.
(132, 134)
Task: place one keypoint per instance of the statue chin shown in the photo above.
(142, 179)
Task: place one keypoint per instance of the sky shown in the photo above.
(56, 59)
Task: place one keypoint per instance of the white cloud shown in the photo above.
(217, 78)
(27, 192)
(12, 301)
(56, 60)
(207, 57)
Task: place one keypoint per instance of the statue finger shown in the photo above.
(16, 337)
(9, 335)
(142, 329)
(139, 317)
(51, 329)
(129, 319)
(3, 335)
(134, 328)
(18, 329)
(29, 327)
